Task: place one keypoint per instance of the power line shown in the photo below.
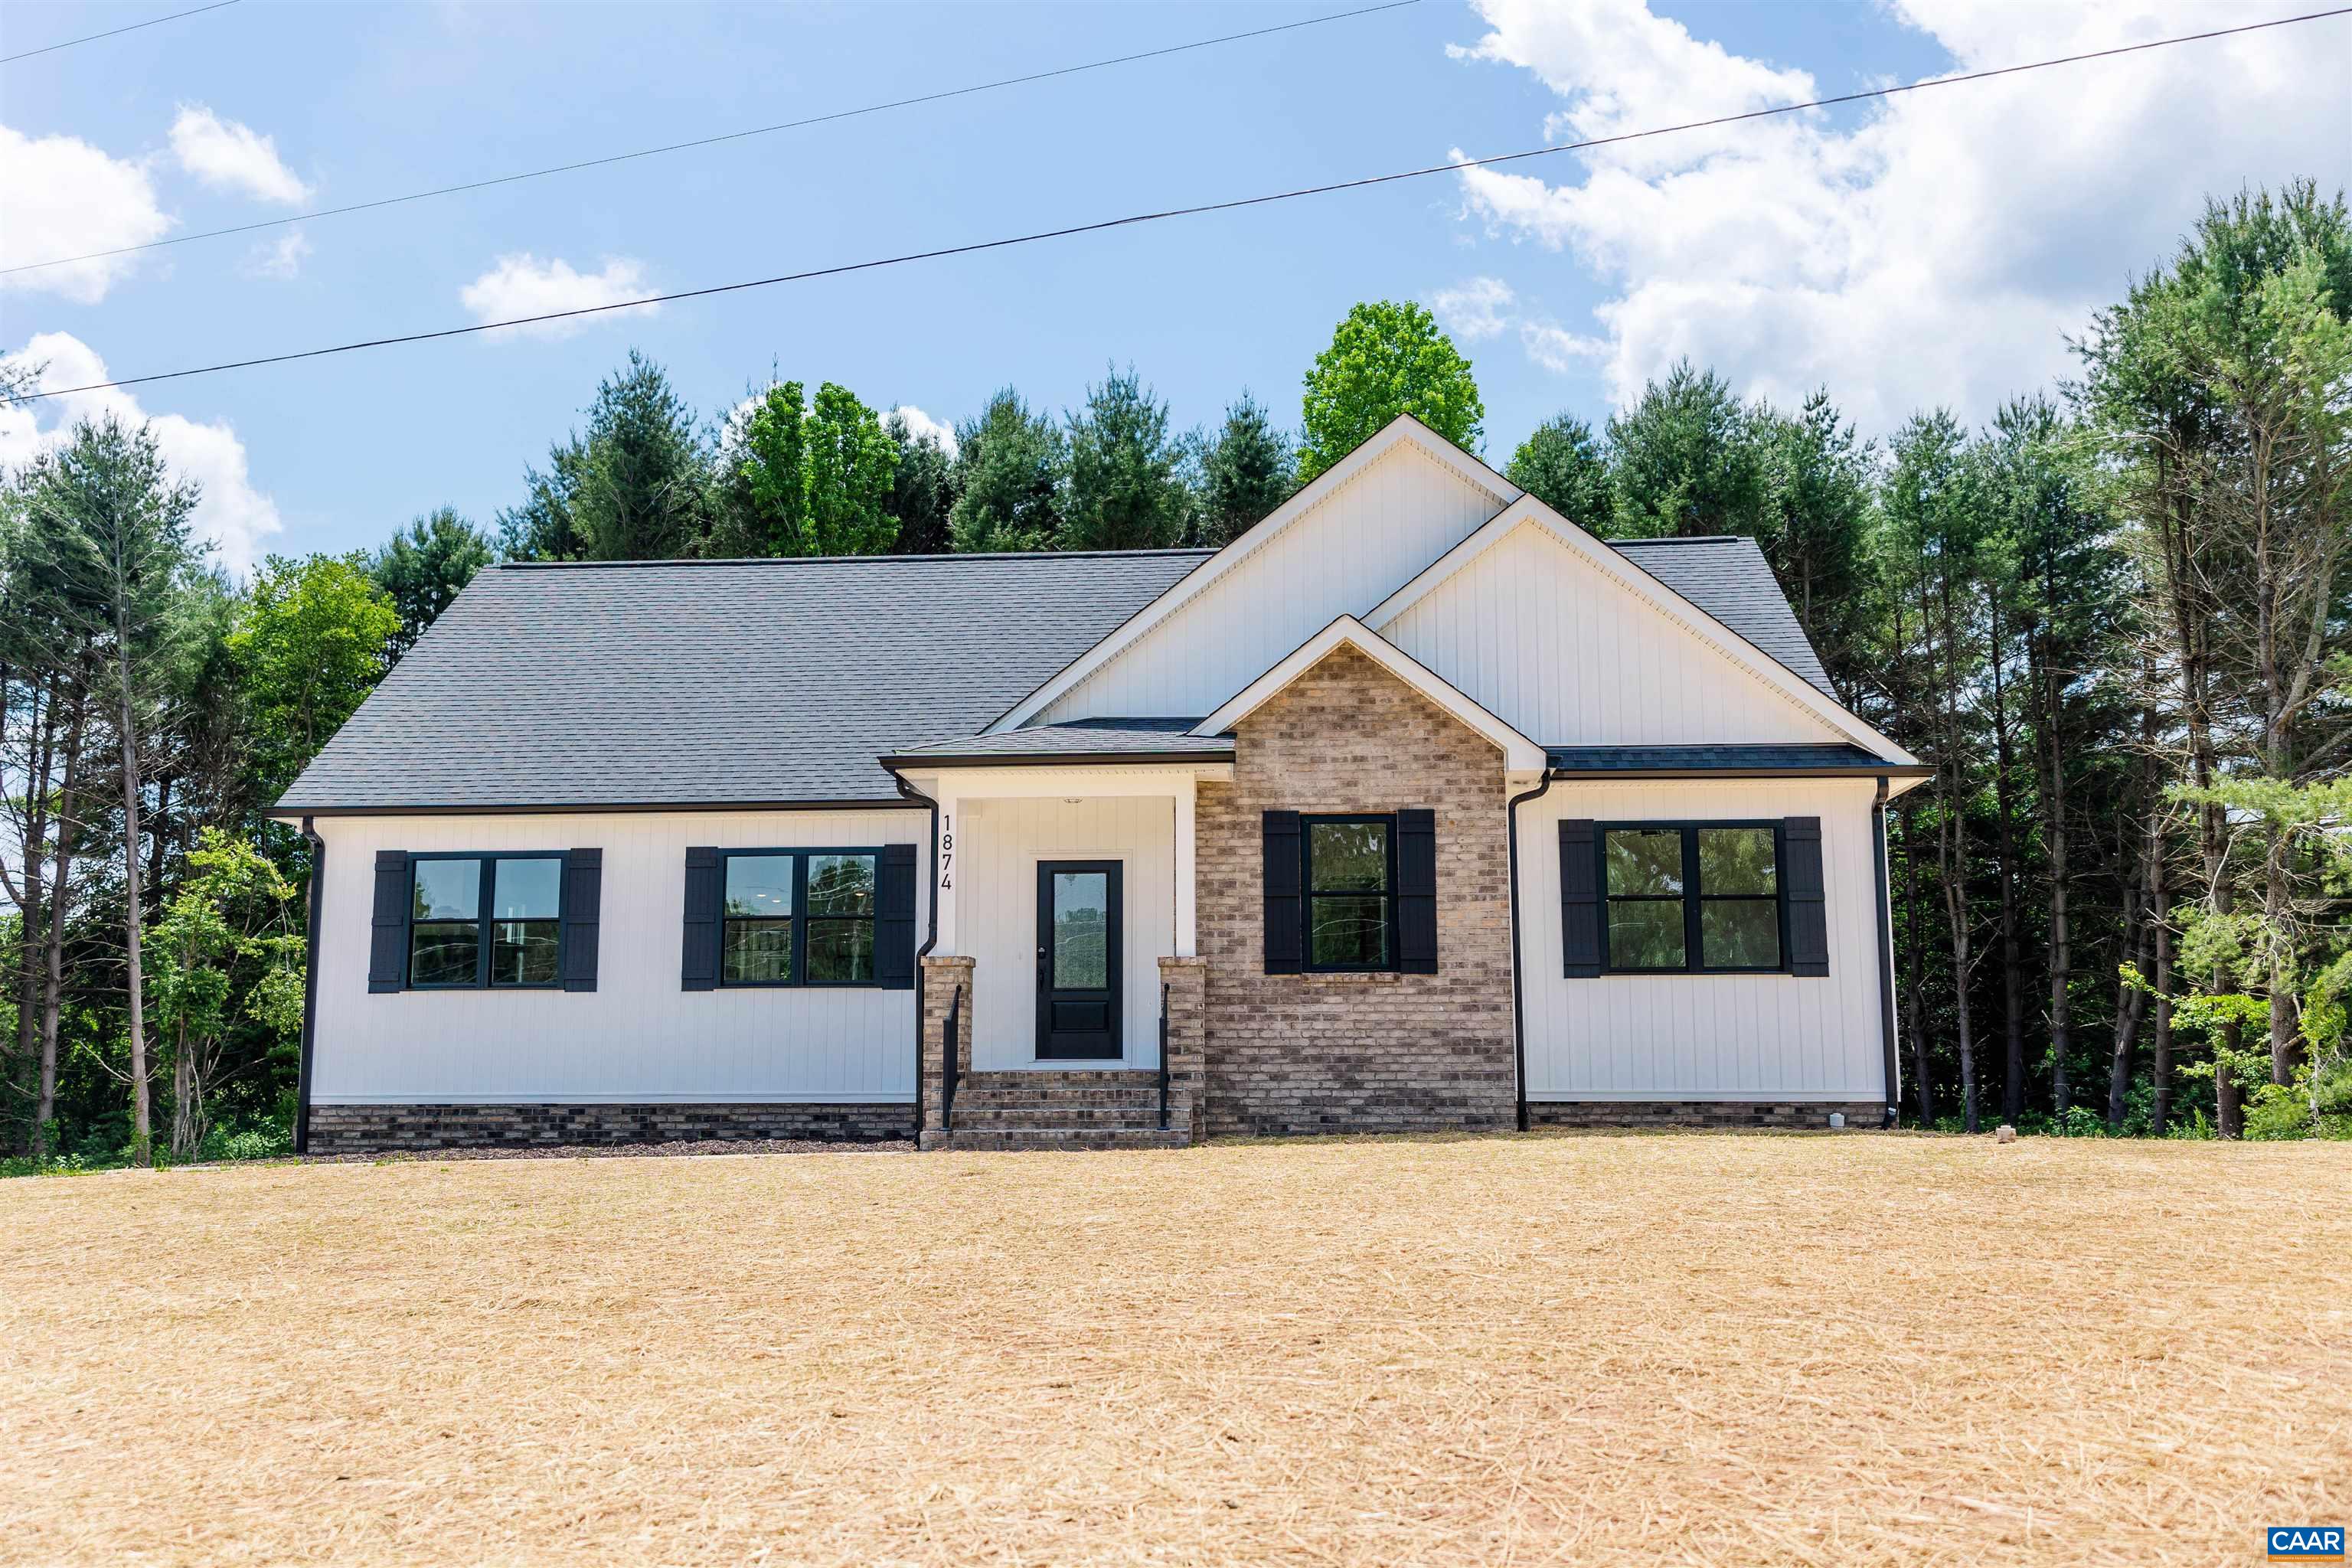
(111, 32)
(1205, 207)
(711, 141)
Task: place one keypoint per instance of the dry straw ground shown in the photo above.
(1736, 1349)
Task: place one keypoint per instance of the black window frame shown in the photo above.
(801, 920)
(1308, 823)
(1694, 896)
(484, 921)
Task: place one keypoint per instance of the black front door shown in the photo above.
(1077, 960)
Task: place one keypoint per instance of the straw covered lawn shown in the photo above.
(1719, 1349)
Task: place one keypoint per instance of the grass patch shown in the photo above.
(1725, 1348)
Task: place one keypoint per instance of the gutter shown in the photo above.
(1050, 759)
(1881, 900)
(931, 941)
(1518, 986)
(309, 987)
(1881, 771)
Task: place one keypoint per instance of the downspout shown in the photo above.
(1880, 900)
(931, 941)
(1519, 987)
(309, 987)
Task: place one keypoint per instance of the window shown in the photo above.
(1692, 897)
(485, 920)
(1350, 879)
(798, 917)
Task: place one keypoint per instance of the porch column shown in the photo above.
(947, 991)
(950, 860)
(1186, 983)
(1185, 943)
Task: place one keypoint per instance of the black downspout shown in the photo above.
(310, 988)
(931, 941)
(1879, 898)
(1519, 988)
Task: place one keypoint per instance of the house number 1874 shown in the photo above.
(947, 851)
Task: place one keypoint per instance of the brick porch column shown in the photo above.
(1187, 981)
(945, 977)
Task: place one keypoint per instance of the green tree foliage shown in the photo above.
(1813, 524)
(813, 480)
(1242, 473)
(633, 488)
(228, 956)
(425, 566)
(922, 488)
(1687, 460)
(311, 641)
(1124, 492)
(1009, 471)
(1562, 465)
(1386, 358)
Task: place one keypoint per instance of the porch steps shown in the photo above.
(1081, 1109)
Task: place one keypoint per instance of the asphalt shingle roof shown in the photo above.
(689, 683)
(1106, 738)
(1727, 576)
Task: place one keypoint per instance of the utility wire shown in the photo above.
(713, 141)
(111, 32)
(1135, 219)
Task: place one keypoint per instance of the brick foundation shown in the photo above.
(1355, 1053)
(1860, 1114)
(383, 1129)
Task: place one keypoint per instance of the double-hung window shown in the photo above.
(798, 917)
(1349, 877)
(485, 920)
(1692, 897)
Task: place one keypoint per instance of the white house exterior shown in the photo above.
(1414, 807)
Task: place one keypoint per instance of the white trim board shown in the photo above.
(1404, 429)
(1520, 754)
(1629, 575)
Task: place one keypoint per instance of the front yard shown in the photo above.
(1734, 1349)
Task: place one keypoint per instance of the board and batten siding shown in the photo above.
(1705, 1037)
(1567, 657)
(1000, 843)
(1342, 557)
(637, 1038)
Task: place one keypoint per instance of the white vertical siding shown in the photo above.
(1000, 844)
(1705, 1037)
(637, 1037)
(1570, 657)
(1361, 543)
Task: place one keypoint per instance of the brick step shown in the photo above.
(1043, 1138)
(1044, 1096)
(1054, 1078)
(1019, 1116)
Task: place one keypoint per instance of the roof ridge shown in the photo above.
(1201, 551)
(1682, 539)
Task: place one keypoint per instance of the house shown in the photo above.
(1414, 807)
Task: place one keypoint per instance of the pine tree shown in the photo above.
(1243, 473)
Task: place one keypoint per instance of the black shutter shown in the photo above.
(1283, 920)
(894, 918)
(698, 967)
(583, 894)
(1580, 900)
(1417, 892)
(1809, 915)
(388, 941)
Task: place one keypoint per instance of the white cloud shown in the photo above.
(223, 152)
(522, 285)
(1476, 309)
(1931, 249)
(65, 197)
(1557, 348)
(281, 258)
(233, 515)
(919, 424)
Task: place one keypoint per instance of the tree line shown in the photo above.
(2112, 619)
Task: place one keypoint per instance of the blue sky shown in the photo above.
(1929, 254)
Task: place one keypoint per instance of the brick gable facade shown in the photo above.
(1357, 1053)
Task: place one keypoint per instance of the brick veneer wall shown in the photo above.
(1319, 1053)
(947, 988)
(1672, 1113)
(379, 1129)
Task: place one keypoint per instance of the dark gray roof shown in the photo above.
(1833, 757)
(1080, 740)
(691, 683)
(1727, 576)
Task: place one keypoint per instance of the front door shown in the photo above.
(1077, 960)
